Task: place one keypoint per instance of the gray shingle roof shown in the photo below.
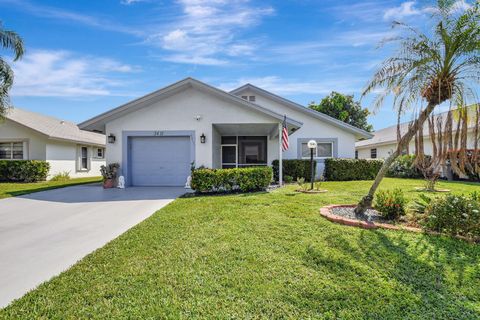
(54, 128)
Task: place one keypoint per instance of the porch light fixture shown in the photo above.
(312, 145)
(111, 138)
(202, 138)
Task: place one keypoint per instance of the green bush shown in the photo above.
(351, 169)
(454, 214)
(61, 176)
(288, 179)
(23, 170)
(227, 180)
(403, 167)
(295, 168)
(390, 204)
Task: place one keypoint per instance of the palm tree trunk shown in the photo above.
(367, 200)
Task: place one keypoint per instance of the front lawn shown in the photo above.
(8, 189)
(266, 255)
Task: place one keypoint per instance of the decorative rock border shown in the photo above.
(327, 214)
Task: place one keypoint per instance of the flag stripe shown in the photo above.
(285, 143)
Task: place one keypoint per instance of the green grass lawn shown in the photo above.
(17, 189)
(270, 256)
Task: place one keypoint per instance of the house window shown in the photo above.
(356, 154)
(373, 153)
(84, 158)
(99, 153)
(245, 97)
(251, 98)
(323, 150)
(11, 150)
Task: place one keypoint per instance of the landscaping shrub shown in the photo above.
(227, 180)
(351, 169)
(390, 204)
(295, 168)
(288, 179)
(403, 167)
(454, 214)
(23, 170)
(61, 176)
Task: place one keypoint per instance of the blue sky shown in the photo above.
(86, 57)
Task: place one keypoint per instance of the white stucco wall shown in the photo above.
(312, 128)
(34, 143)
(178, 112)
(64, 157)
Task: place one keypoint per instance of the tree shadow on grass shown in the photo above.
(409, 276)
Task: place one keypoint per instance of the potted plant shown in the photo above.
(109, 174)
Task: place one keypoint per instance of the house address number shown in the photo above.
(158, 133)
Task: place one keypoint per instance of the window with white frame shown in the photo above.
(11, 150)
(323, 150)
(99, 153)
(83, 158)
(373, 153)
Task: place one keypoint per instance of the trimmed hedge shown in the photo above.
(351, 169)
(295, 168)
(403, 167)
(228, 180)
(23, 170)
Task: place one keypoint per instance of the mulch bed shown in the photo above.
(344, 214)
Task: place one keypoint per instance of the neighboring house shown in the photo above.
(157, 137)
(384, 141)
(31, 136)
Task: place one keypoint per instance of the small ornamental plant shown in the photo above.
(390, 203)
(454, 214)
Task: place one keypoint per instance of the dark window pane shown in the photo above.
(5, 150)
(229, 140)
(229, 154)
(17, 150)
(324, 150)
(84, 158)
(252, 150)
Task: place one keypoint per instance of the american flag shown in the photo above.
(285, 144)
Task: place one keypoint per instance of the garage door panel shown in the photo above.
(160, 161)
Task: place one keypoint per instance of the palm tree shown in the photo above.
(428, 69)
(11, 41)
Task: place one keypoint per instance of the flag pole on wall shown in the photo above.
(284, 144)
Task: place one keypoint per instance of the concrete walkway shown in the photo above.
(44, 233)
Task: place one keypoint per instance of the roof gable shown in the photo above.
(307, 111)
(99, 121)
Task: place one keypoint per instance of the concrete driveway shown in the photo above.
(44, 233)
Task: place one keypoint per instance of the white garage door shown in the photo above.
(160, 161)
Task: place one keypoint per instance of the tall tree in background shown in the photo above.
(344, 108)
(428, 70)
(9, 40)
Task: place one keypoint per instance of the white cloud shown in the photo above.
(408, 9)
(282, 86)
(64, 74)
(207, 31)
(404, 10)
(129, 2)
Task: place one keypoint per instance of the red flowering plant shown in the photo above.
(390, 203)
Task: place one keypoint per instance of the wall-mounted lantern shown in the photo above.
(202, 138)
(111, 138)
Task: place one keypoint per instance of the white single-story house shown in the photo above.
(157, 137)
(26, 135)
(384, 141)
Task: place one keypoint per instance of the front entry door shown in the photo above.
(229, 156)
